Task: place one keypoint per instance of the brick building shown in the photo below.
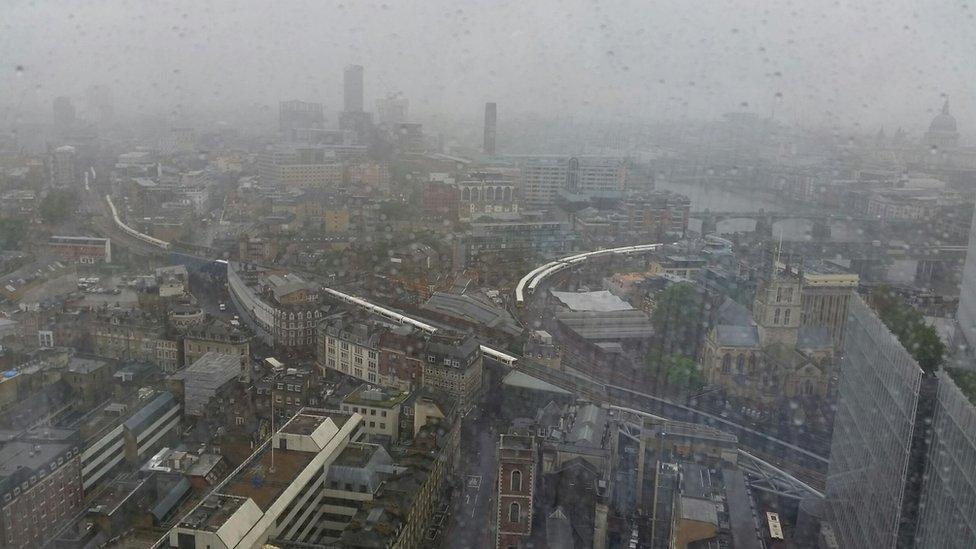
(516, 490)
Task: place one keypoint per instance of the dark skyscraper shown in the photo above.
(353, 88)
(491, 125)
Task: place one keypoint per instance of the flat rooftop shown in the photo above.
(264, 483)
(213, 512)
(366, 395)
(355, 455)
(15, 455)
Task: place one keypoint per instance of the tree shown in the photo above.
(908, 325)
(12, 233)
(677, 320)
(682, 372)
(57, 206)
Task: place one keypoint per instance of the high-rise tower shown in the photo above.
(353, 88)
(491, 126)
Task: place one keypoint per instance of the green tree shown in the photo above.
(13, 231)
(677, 318)
(57, 206)
(908, 325)
(683, 373)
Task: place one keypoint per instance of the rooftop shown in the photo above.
(264, 483)
(601, 301)
(378, 397)
(80, 365)
(213, 512)
(306, 422)
(29, 455)
(204, 377)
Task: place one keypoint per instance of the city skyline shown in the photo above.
(776, 69)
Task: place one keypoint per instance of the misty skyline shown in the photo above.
(878, 63)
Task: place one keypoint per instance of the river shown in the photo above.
(719, 199)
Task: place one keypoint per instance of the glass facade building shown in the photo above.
(948, 504)
(876, 407)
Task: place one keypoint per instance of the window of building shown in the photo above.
(516, 482)
(513, 512)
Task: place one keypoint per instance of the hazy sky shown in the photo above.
(875, 62)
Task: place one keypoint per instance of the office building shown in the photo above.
(126, 431)
(300, 167)
(523, 238)
(299, 115)
(392, 109)
(281, 494)
(966, 314)
(903, 448)
(948, 497)
(877, 402)
(64, 166)
(491, 128)
(352, 88)
(544, 177)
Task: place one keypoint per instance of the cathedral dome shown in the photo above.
(943, 122)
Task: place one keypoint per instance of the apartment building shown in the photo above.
(351, 347)
(281, 308)
(454, 365)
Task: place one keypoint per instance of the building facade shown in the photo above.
(281, 309)
(81, 249)
(40, 488)
(484, 194)
(350, 347)
(873, 428)
(218, 336)
(454, 365)
(948, 498)
(515, 491)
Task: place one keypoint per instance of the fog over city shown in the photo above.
(875, 63)
(538, 274)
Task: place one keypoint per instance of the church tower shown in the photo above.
(777, 307)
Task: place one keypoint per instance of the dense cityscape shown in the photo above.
(371, 325)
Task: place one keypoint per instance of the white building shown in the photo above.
(279, 492)
(63, 166)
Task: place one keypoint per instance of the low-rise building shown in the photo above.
(281, 308)
(351, 347)
(380, 409)
(81, 249)
(215, 335)
(454, 365)
(125, 334)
